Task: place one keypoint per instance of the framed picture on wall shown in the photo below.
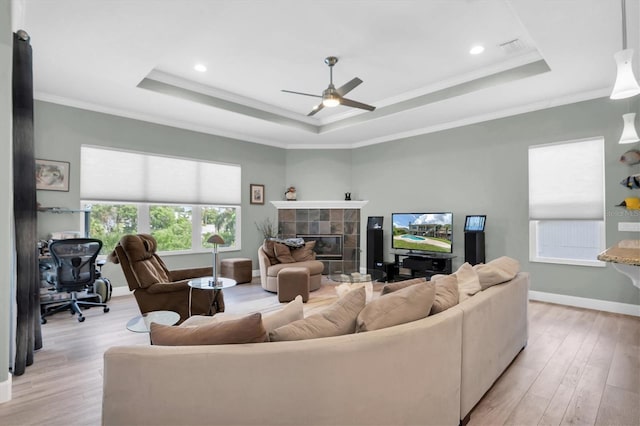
(257, 193)
(52, 175)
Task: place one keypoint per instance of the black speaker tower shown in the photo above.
(474, 247)
(374, 248)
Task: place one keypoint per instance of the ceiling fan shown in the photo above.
(331, 96)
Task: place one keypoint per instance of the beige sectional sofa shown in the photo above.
(428, 372)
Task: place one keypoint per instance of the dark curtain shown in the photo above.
(28, 333)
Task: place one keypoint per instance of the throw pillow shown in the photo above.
(283, 253)
(446, 293)
(390, 288)
(336, 320)
(408, 304)
(244, 330)
(468, 282)
(292, 311)
(497, 271)
(305, 252)
(268, 249)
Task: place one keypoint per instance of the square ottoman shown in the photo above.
(236, 268)
(293, 281)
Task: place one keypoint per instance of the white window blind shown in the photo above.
(108, 175)
(566, 202)
(566, 180)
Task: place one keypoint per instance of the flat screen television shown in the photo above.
(422, 232)
(475, 223)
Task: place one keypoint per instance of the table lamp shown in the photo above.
(215, 239)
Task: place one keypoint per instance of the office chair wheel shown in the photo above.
(106, 309)
(80, 318)
(43, 320)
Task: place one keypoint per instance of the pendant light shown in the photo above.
(629, 134)
(626, 84)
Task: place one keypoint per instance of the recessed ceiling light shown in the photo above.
(200, 68)
(476, 50)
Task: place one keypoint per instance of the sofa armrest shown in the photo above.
(188, 273)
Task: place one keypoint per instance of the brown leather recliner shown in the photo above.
(157, 288)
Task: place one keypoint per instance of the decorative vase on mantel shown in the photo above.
(290, 195)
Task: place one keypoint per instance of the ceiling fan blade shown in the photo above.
(355, 104)
(349, 86)
(300, 93)
(315, 109)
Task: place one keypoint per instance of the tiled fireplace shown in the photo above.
(335, 228)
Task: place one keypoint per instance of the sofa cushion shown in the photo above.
(267, 248)
(336, 320)
(390, 288)
(292, 311)
(305, 252)
(248, 329)
(446, 293)
(468, 282)
(283, 253)
(497, 271)
(315, 267)
(405, 305)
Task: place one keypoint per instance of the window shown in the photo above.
(566, 202)
(180, 202)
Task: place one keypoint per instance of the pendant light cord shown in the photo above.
(624, 25)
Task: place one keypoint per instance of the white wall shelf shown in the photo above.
(330, 204)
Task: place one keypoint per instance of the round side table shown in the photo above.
(206, 283)
(142, 323)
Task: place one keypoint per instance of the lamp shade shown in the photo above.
(626, 84)
(215, 239)
(629, 134)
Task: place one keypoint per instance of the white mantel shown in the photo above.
(329, 204)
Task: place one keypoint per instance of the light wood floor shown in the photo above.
(580, 367)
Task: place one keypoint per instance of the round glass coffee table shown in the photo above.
(353, 280)
(372, 276)
(142, 323)
(206, 283)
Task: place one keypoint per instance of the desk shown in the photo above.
(206, 283)
(625, 258)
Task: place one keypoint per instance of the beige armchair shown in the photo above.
(270, 266)
(155, 287)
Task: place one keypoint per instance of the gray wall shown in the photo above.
(60, 131)
(6, 188)
(482, 169)
(319, 174)
(476, 169)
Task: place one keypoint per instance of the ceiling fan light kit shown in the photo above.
(332, 97)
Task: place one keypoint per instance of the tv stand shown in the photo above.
(423, 264)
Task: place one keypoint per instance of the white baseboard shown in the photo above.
(5, 390)
(121, 291)
(255, 272)
(582, 302)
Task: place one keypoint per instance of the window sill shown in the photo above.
(575, 262)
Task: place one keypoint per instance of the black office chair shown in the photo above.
(75, 263)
